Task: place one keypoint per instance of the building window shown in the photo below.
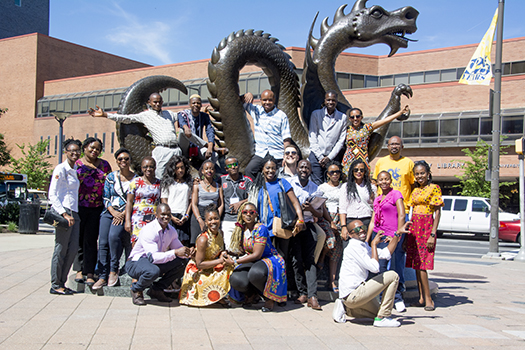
(417, 78)
(358, 81)
(431, 76)
(448, 127)
(371, 81)
(517, 67)
(56, 143)
(48, 142)
(393, 130)
(411, 129)
(400, 79)
(469, 126)
(448, 74)
(512, 124)
(103, 142)
(429, 128)
(343, 80)
(387, 80)
(485, 126)
(112, 142)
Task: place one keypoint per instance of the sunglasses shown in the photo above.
(123, 159)
(334, 172)
(249, 212)
(232, 165)
(359, 228)
(293, 153)
(359, 170)
(355, 116)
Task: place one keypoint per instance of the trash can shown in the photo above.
(29, 216)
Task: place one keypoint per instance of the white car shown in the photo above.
(37, 195)
(468, 215)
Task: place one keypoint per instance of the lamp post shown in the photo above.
(520, 148)
(60, 118)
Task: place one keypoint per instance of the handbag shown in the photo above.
(280, 228)
(52, 217)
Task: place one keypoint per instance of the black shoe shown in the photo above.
(138, 298)
(59, 292)
(159, 295)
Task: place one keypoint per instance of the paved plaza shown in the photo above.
(479, 305)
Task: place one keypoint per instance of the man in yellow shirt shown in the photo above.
(401, 169)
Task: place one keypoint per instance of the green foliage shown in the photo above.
(12, 226)
(34, 164)
(2, 111)
(9, 213)
(472, 182)
(5, 156)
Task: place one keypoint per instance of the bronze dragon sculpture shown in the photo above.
(360, 28)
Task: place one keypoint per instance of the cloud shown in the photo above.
(141, 35)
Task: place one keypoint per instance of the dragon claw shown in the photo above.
(403, 89)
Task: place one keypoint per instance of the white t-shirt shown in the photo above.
(179, 196)
(332, 196)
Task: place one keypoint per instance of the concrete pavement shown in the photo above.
(479, 305)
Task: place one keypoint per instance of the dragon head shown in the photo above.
(376, 25)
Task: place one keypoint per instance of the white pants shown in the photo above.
(162, 155)
(227, 231)
(184, 144)
(321, 237)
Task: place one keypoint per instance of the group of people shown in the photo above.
(223, 239)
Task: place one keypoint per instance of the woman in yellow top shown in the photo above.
(420, 243)
(358, 135)
(207, 276)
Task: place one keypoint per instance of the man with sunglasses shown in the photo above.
(326, 134)
(401, 170)
(357, 296)
(235, 187)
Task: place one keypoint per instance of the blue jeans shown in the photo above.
(396, 263)
(317, 170)
(146, 272)
(112, 240)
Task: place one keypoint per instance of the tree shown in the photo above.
(472, 182)
(34, 163)
(5, 156)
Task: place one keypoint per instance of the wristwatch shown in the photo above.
(432, 235)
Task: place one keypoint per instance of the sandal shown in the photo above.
(430, 308)
(417, 304)
(79, 278)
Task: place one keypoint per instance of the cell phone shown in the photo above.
(148, 217)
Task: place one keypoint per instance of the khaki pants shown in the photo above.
(363, 301)
(321, 237)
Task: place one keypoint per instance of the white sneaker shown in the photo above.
(339, 313)
(386, 322)
(400, 306)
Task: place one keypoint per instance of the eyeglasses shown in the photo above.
(123, 159)
(355, 116)
(249, 212)
(232, 165)
(359, 170)
(75, 151)
(293, 153)
(359, 228)
(334, 172)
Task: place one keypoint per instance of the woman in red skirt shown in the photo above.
(420, 244)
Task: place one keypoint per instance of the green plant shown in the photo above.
(34, 163)
(10, 212)
(12, 226)
(472, 181)
(5, 156)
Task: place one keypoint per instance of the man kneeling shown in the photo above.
(157, 253)
(357, 297)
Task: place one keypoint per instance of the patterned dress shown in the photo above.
(206, 287)
(276, 284)
(146, 199)
(91, 183)
(425, 201)
(356, 145)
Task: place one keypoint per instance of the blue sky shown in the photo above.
(170, 31)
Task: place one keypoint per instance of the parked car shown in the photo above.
(510, 231)
(469, 215)
(37, 195)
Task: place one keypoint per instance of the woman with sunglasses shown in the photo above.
(358, 135)
(333, 245)
(143, 197)
(92, 171)
(113, 238)
(291, 157)
(357, 197)
(261, 269)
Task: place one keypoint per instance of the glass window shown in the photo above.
(460, 205)
(56, 143)
(358, 81)
(184, 99)
(417, 78)
(60, 105)
(84, 105)
(99, 101)
(460, 73)
(116, 101)
(253, 86)
(39, 108)
(343, 80)
(479, 206)
(411, 129)
(448, 204)
(387, 80)
(103, 142)
(108, 102)
(512, 124)
(205, 94)
(448, 74)
(165, 97)
(400, 79)
(52, 106)
(485, 126)
(469, 126)
(518, 67)
(371, 81)
(265, 83)
(45, 108)
(393, 130)
(75, 105)
(506, 68)
(448, 127)
(112, 142)
(174, 97)
(242, 87)
(431, 76)
(429, 128)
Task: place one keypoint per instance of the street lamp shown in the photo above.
(60, 118)
(520, 148)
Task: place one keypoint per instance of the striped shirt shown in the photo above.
(270, 130)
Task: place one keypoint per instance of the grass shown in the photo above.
(12, 226)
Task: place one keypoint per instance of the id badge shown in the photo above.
(234, 200)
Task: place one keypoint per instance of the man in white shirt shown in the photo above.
(157, 253)
(326, 133)
(357, 297)
(160, 124)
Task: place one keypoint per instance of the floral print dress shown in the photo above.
(91, 183)
(356, 145)
(146, 199)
